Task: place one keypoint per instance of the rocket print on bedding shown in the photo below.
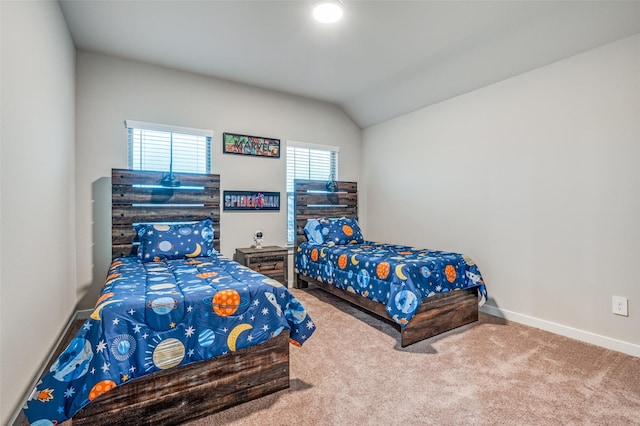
(158, 315)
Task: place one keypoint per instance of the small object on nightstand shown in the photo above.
(271, 261)
(257, 238)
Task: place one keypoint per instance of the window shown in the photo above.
(307, 161)
(160, 147)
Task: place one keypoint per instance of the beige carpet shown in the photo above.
(353, 371)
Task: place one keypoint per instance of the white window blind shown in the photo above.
(307, 161)
(161, 147)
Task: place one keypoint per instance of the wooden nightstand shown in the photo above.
(271, 261)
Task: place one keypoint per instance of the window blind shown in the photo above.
(158, 147)
(307, 161)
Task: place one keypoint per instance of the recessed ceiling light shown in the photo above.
(327, 11)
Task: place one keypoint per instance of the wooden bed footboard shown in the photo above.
(185, 393)
(437, 314)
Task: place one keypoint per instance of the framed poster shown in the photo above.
(250, 145)
(251, 200)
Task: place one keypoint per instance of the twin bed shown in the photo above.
(180, 332)
(423, 292)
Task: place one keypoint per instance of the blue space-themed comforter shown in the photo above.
(158, 315)
(398, 276)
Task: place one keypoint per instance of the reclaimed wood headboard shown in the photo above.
(312, 200)
(137, 197)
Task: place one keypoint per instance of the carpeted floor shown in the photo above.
(353, 371)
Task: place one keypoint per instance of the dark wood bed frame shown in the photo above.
(194, 390)
(437, 314)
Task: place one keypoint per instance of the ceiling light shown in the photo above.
(327, 11)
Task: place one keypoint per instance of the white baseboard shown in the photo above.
(563, 330)
(83, 315)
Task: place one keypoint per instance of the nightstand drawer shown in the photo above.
(266, 264)
(271, 261)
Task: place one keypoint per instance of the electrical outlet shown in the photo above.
(620, 306)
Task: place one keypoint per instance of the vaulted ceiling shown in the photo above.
(384, 59)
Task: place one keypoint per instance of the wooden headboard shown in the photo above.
(313, 200)
(137, 197)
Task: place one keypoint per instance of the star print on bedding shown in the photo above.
(153, 316)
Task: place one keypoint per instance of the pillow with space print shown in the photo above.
(340, 231)
(175, 241)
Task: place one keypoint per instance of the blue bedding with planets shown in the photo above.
(398, 276)
(160, 314)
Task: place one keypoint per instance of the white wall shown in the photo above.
(536, 178)
(110, 90)
(37, 197)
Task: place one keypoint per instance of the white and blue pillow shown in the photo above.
(313, 231)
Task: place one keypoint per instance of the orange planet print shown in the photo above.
(100, 388)
(314, 255)
(450, 273)
(383, 270)
(207, 275)
(192, 262)
(226, 302)
(342, 261)
(404, 252)
(294, 343)
(347, 230)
